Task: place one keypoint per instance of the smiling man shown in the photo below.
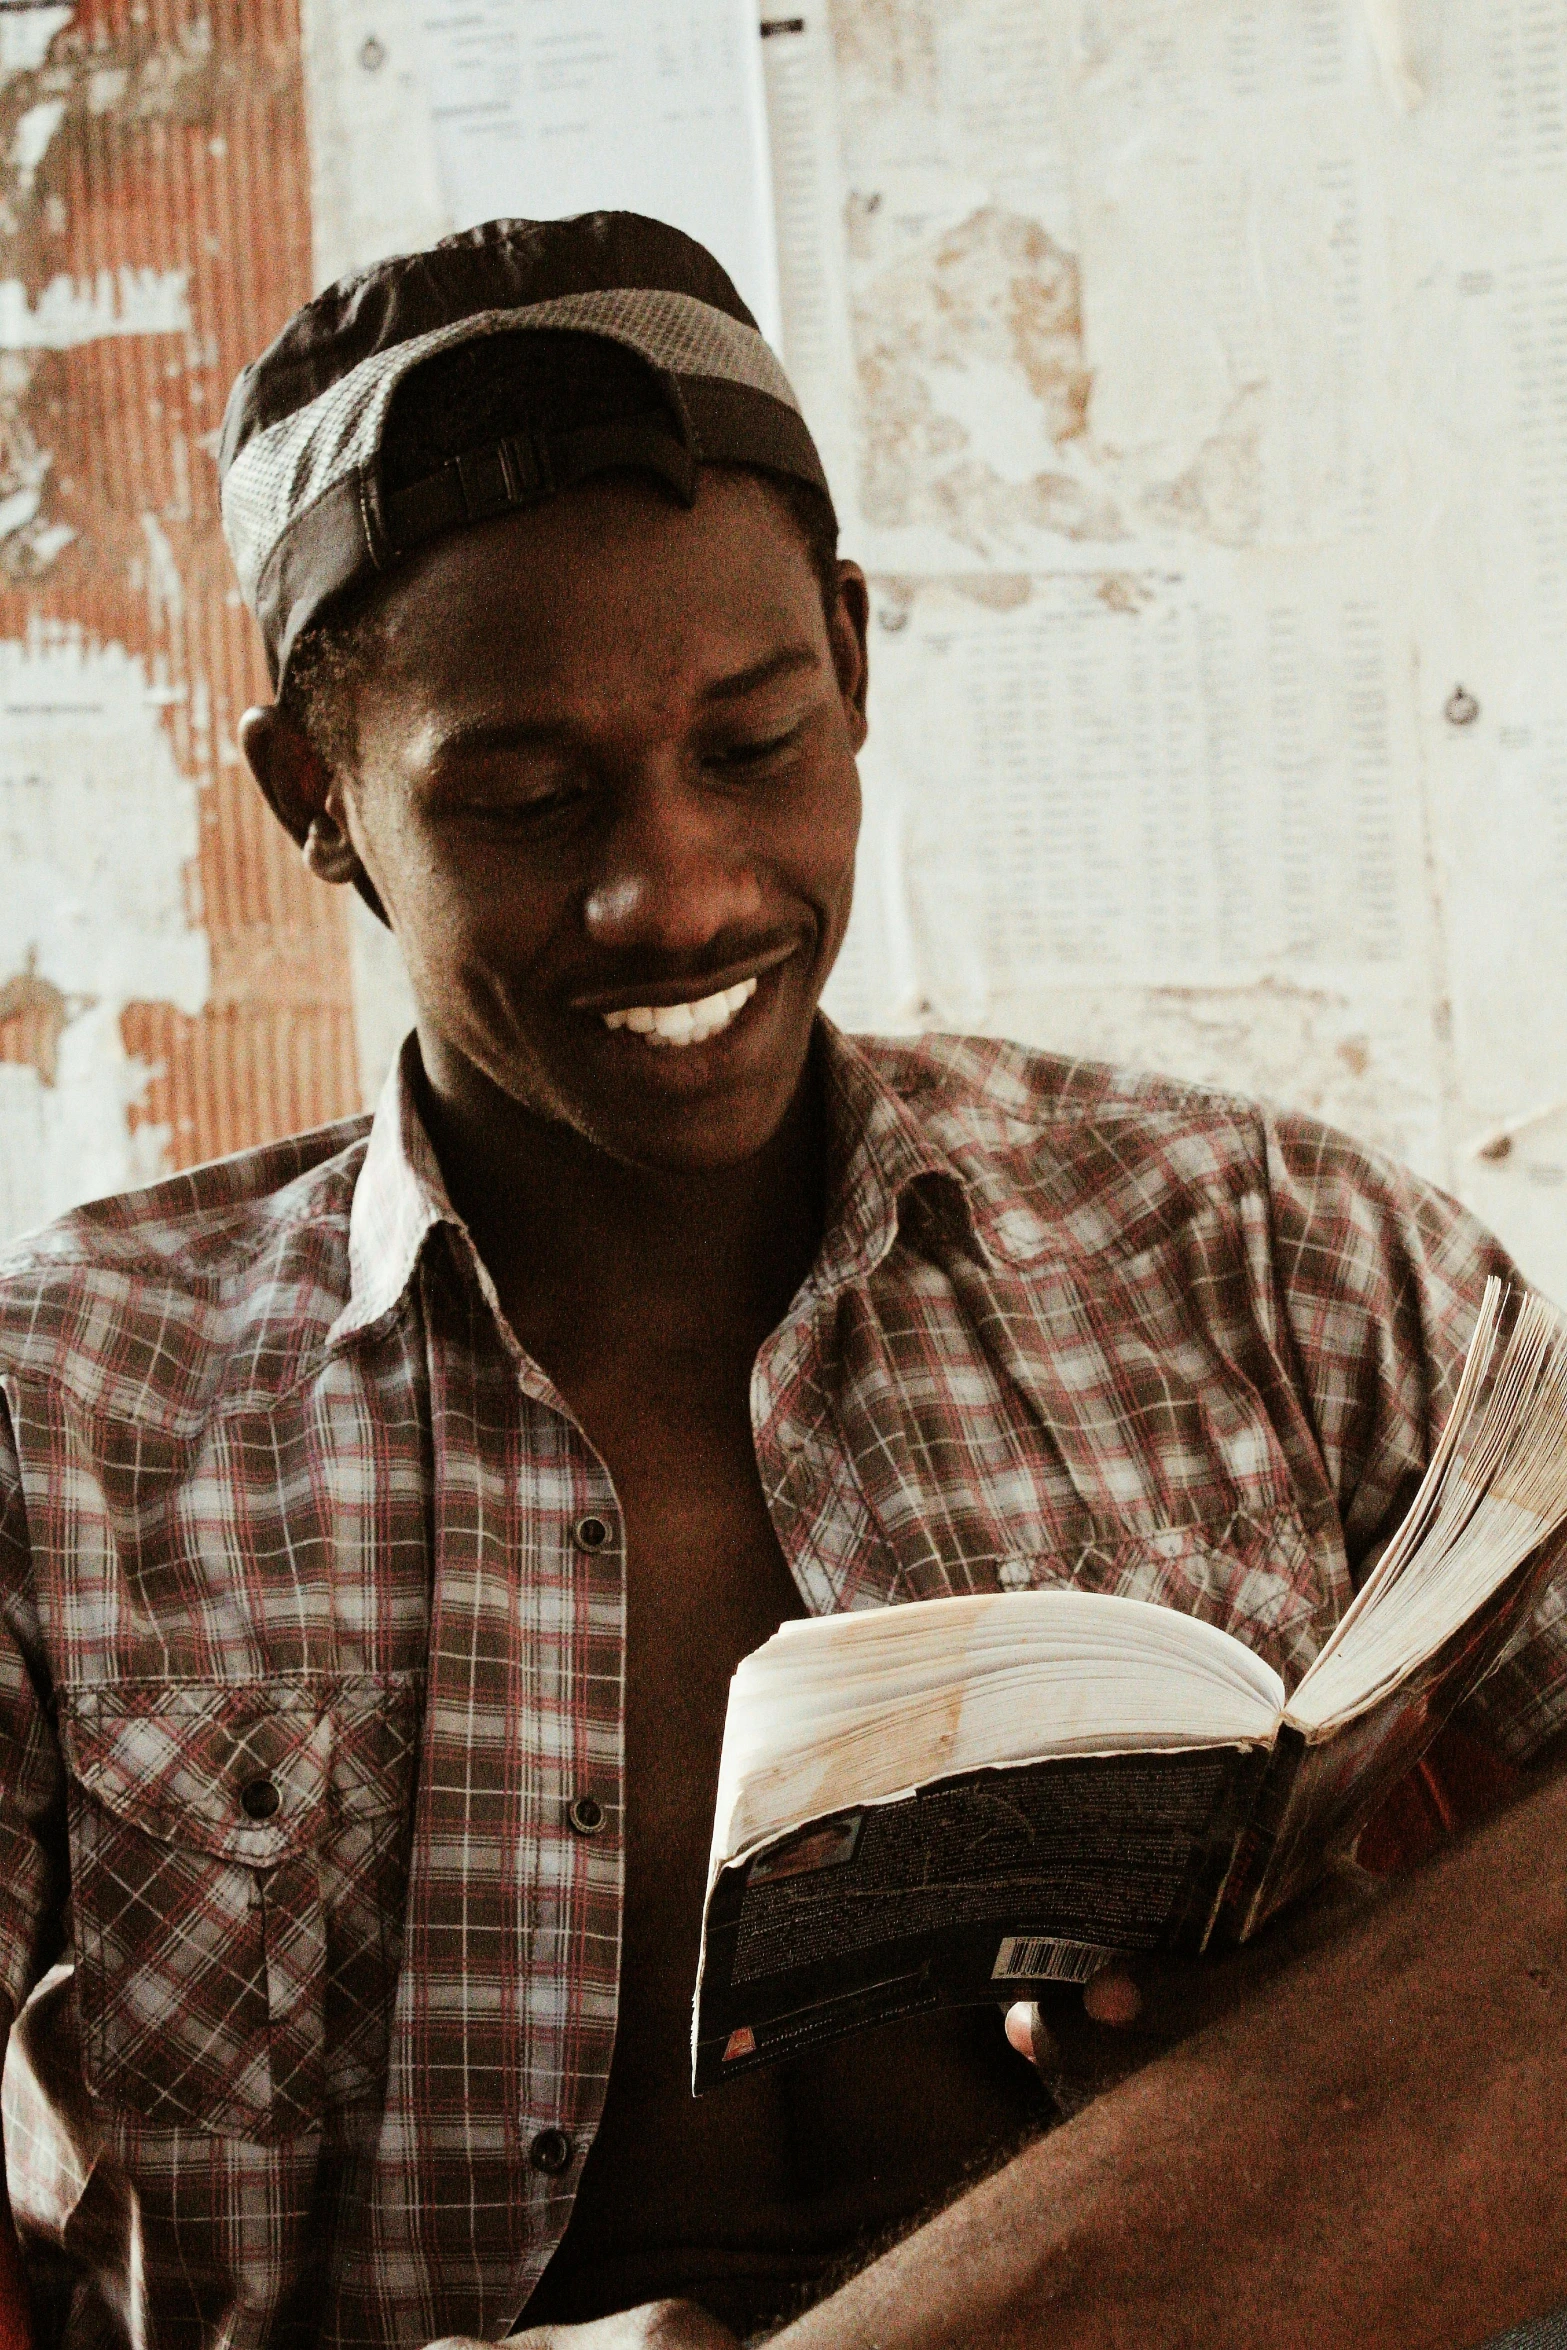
(383, 1513)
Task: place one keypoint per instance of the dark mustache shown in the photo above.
(700, 976)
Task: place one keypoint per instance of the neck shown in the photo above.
(562, 1226)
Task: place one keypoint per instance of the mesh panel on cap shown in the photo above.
(282, 471)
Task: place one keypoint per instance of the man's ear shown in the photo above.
(296, 784)
(848, 632)
(304, 796)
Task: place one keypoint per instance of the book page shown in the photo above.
(652, 106)
(864, 1707)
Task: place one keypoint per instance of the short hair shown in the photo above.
(468, 398)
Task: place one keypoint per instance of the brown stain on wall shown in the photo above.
(892, 43)
(34, 1015)
(182, 147)
(994, 291)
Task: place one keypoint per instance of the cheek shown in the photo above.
(471, 929)
(824, 844)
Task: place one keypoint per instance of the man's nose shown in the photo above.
(671, 877)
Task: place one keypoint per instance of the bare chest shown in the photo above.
(787, 2166)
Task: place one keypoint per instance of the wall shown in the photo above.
(171, 984)
(1210, 388)
(1193, 374)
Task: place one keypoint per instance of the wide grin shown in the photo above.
(683, 1024)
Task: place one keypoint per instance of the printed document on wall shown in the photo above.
(548, 107)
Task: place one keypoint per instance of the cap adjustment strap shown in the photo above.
(525, 468)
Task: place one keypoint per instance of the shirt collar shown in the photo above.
(879, 1154)
(877, 1151)
(399, 1199)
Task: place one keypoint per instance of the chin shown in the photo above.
(677, 1115)
(704, 1132)
(698, 1147)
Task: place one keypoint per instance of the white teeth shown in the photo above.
(683, 1024)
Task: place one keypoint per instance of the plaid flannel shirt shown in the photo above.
(312, 1621)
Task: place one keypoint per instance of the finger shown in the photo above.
(1111, 1997)
(1032, 2037)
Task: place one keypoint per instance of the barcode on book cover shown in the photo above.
(1048, 1958)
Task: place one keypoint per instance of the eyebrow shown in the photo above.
(481, 735)
(745, 681)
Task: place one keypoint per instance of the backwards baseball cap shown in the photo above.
(311, 508)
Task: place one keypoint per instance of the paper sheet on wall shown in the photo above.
(1165, 817)
(1144, 777)
(547, 107)
(805, 136)
(1256, 318)
(1479, 196)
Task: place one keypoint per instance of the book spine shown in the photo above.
(1213, 1858)
(1235, 1912)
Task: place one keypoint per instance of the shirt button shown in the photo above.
(585, 1815)
(259, 1799)
(550, 2152)
(592, 1533)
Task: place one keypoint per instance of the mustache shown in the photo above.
(681, 978)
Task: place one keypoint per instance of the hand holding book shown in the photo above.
(1083, 2042)
(957, 1800)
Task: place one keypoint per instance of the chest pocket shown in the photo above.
(238, 1858)
(1271, 1578)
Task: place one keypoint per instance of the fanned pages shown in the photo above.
(1501, 1490)
(891, 1698)
(947, 1801)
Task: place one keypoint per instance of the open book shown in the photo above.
(949, 1801)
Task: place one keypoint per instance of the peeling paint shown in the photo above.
(26, 36)
(97, 824)
(117, 302)
(24, 469)
(172, 984)
(97, 828)
(31, 137)
(165, 588)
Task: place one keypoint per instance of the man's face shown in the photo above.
(606, 769)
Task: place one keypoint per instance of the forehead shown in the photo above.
(607, 589)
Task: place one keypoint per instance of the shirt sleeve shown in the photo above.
(1381, 1277)
(33, 1854)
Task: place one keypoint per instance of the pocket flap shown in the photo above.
(239, 1771)
(1255, 1574)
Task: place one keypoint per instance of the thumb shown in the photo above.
(1110, 1997)
(1031, 2036)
